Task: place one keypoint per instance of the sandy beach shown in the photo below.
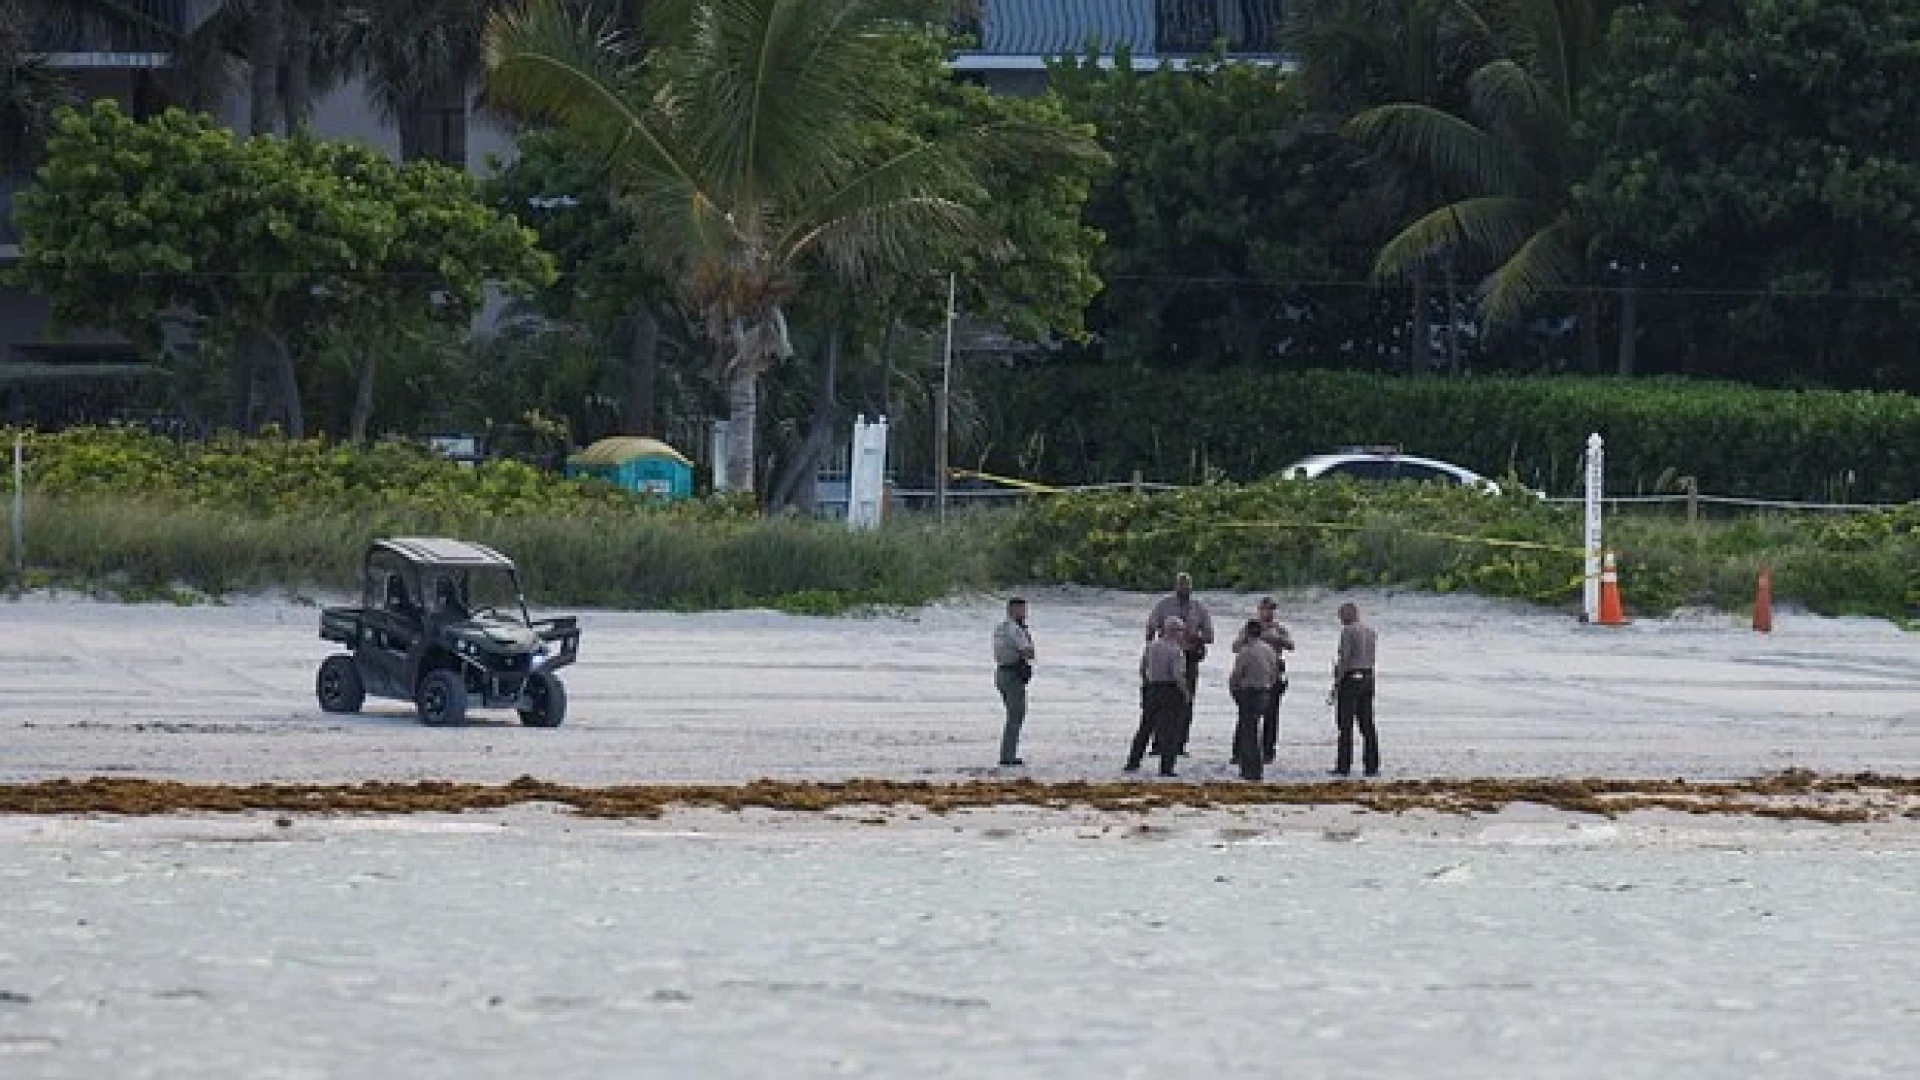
(1316, 940)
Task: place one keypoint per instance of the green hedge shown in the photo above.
(1300, 534)
(1079, 425)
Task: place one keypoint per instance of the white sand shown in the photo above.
(1467, 688)
(1308, 943)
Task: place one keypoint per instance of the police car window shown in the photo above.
(1426, 473)
(1363, 469)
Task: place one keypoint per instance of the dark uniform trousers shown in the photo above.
(1163, 713)
(1246, 734)
(1354, 704)
(1194, 656)
(1270, 718)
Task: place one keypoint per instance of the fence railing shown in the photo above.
(1015, 491)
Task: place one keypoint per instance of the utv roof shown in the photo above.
(443, 552)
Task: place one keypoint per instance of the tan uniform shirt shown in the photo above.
(1272, 633)
(1356, 649)
(1255, 665)
(1163, 662)
(1012, 643)
(1193, 613)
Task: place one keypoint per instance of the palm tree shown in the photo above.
(30, 92)
(757, 143)
(1356, 54)
(1514, 153)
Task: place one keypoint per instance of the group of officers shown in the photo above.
(1179, 630)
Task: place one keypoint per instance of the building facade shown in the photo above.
(1016, 38)
(103, 61)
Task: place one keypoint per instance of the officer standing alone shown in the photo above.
(1353, 693)
(1013, 668)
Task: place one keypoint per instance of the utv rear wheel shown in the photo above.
(338, 685)
(546, 698)
(442, 699)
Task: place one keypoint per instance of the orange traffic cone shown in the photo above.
(1610, 613)
(1763, 602)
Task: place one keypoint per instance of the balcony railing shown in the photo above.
(1196, 26)
(141, 26)
(1148, 27)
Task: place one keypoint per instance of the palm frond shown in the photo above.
(1551, 260)
(781, 89)
(890, 237)
(581, 72)
(1507, 94)
(1443, 143)
(1495, 226)
(939, 171)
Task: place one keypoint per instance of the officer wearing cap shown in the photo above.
(1013, 668)
(1276, 637)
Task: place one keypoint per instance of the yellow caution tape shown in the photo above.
(1023, 485)
(1346, 526)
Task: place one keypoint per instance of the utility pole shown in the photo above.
(946, 401)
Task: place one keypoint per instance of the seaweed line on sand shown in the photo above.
(1795, 794)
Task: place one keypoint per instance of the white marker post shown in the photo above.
(718, 439)
(867, 473)
(1596, 487)
(19, 511)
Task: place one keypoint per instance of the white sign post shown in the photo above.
(867, 473)
(1596, 487)
(19, 511)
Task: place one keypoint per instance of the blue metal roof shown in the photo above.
(1147, 27)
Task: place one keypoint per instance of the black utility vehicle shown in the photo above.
(443, 624)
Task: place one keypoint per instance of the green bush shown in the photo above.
(268, 476)
(1076, 425)
(137, 549)
(1291, 534)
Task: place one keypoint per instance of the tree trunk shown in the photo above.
(643, 372)
(743, 405)
(795, 487)
(296, 74)
(1421, 361)
(886, 371)
(266, 38)
(1629, 328)
(240, 388)
(296, 417)
(363, 397)
(1590, 332)
(1453, 317)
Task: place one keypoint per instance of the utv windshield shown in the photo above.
(464, 593)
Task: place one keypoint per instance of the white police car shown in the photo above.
(1385, 463)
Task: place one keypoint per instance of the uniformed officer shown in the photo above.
(1013, 668)
(1196, 635)
(1353, 693)
(1275, 635)
(1165, 697)
(1255, 668)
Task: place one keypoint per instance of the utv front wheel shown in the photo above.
(338, 685)
(442, 699)
(546, 701)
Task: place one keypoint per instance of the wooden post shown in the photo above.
(1693, 499)
(1137, 482)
